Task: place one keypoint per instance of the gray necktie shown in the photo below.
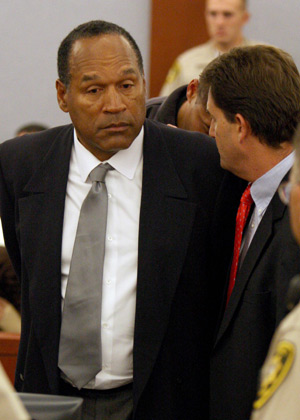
(80, 337)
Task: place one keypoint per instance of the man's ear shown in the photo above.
(191, 90)
(295, 212)
(61, 92)
(243, 127)
(246, 17)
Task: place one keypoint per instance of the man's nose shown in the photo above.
(219, 20)
(113, 101)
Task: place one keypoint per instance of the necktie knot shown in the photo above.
(98, 174)
(246, 197)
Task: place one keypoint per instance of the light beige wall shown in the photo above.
(277, 23)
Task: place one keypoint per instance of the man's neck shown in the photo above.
(226, 46)
(267, 159)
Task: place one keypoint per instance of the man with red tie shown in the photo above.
(254, 103)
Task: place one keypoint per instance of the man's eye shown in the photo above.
(93, 90)
(127, 85)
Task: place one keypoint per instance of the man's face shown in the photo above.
(225, 20)
(106, 94)
(226, 135)
(199, 119)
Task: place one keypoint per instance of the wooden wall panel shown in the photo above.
(176, 26)
(9, 344)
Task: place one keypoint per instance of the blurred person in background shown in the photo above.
(30, 128)
(225, 20)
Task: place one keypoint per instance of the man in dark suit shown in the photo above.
(185, 108)
(254, 102)
(157, 324)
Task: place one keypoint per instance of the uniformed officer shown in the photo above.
(225, 20)
(279, 390)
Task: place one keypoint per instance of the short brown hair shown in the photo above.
(261, 83)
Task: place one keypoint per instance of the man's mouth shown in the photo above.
(117, 127)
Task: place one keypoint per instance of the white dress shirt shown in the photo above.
(124, 186)
(1, 235)
(262, 192)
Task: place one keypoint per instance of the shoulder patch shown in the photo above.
(173, 73)
(275, 372)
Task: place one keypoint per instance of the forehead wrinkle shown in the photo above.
(95, 77)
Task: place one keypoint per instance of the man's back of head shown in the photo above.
(256, 92)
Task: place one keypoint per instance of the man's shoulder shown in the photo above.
(251, 42)
(185, 143)
(24, 154)
(153, 105)
(198, 53)
(35, 140)
(291, 321)
(165, 108)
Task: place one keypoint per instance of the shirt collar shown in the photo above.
(264, 188)
(125, 161)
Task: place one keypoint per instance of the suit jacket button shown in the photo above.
(21, 377)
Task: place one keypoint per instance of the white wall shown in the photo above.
(276, 22)
(30, 33)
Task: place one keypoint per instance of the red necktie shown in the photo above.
(241, 218)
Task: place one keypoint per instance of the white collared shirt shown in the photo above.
(124, 186)
(262, 192)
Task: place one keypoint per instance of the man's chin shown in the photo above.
(222, 39)
(114, 143)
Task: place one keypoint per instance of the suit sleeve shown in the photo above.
(7, 208)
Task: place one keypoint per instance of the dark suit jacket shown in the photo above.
(10, 288)
(173, 325)
(165, 108)
(255, 308)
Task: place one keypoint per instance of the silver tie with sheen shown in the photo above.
(80, 337)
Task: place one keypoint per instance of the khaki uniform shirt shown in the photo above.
(190, 64)
(11, 408)
(279, 391)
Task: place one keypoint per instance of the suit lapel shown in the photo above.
(274, 212)
(41, 222)
(166, 220)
